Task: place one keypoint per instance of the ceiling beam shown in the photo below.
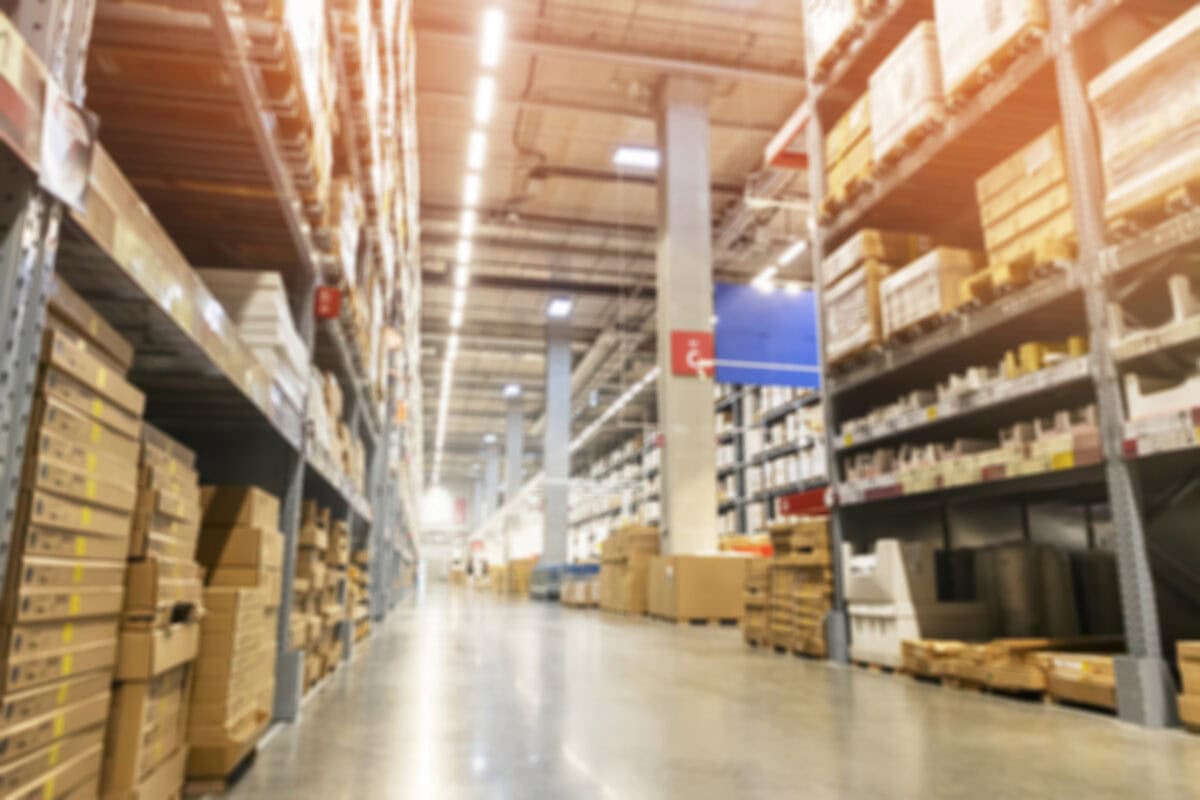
(620, 58)
(646, 290)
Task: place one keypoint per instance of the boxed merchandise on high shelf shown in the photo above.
(926, 291)
(241, 550)
(829, 28)
(67, 563)
(1189, 670)
(146, 744)
(974, 45)
(314, 624)
(906, 94)
(849, 155)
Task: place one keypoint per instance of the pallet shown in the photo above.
(994, 65)
(1171, 202)
(883, 669)
(698, 621)
(201, 787)
(1003, 278)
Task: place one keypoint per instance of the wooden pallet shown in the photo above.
(202, 787)
(1000, 279)
(697, 621)
(884, 669)
(994, 65)
(1171, 202)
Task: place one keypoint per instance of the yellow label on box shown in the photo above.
(68, 663)
(171, 467)
(96, 432)
(89, 489)
(80, 546)
(73, 605)
(1062, 461)
(77, 574)
(931, 413)
(91, 462)
(85, 515)
(48, 790)
(174, 528)
(97, 407)
(68, 633)
(52, 755)
(849, 440)
(61, 700)
(59, 724)
(102, 378)
(94, 326)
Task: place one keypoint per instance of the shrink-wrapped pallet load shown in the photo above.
(906, 92)
(1147, 108)
(828, 26)
(852, 319)
(925, 290)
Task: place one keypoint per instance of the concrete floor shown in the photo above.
(464, 695)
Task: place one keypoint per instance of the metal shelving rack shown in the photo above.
(202, 384)
(1145, 686)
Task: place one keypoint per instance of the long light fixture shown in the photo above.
(792, 253)
(466, 223)
(459, 300)
(646, 158)
(493, 37)
(476, 150)
(463, 252)
(472, 187)
(485, 99)
(462, 275)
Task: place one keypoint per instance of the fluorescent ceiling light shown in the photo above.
(489, 438)
(792, 253)
(766, 275)
(471, 189)
(476, 150)
(466, 224)
(463, 252)
(559, 307)
(462, 274)
(485, 99)
(793, 288)
(456, 317)
(493, 37)
(636, 158)
(512, 390)
(459, 300)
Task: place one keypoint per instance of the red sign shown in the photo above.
(692, 353)
(328, 302)
(810, 503)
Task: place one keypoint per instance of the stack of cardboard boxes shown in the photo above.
(146, 751)
(241, 549)
(755, 618)
(696, 588)
(1189, 671)
(360, 595)
(334, 598)
(624, 568)
(66, 567)
(801, 585)
(309, 589)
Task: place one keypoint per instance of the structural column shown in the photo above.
(491, 479)
(476, 518)
(514, 446)
(556, 442)
(685, 303)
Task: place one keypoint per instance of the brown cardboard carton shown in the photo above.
(240, 505)
(44, 667)
(32, 766)
(55, 416)
(173, 478)
(164, 780)
(89, 401)
(74, 779)
(313, 536)
(39, 572)
(158, 583)
(77, 484)
(19, 707)
(145, 727)
(93, 461)
(31, 640)
(44, 541)
(75, 313)
(50, 511)
(145, 654)
(44, 604)
(32, 734)
(67, 354)
(240, 547)
(698, 587)
(161, 443)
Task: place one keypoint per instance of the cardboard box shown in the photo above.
(246, 506)
(45, 666)
(158, 583)
(55, 416)
(76, 314)
(79, 485)
(55, 383)
(31, 766)
(66, 354)
(51, 511)
(43, 604)
(145, 654)
(40, 572)
(93, 461)
(27, 641)
(697, 587)
(67, 544)
(165, 780)
(74, 779)
(158, 442)
(146, 726)
(1189, 711)
(240, 546)
(33, 734)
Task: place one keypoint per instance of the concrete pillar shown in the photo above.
(556, 461)
(514, 446)
(491, 480)
(476, 505)
(685, 303)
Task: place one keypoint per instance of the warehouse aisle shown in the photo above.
(468, 695)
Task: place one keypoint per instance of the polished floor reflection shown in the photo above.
(464, 695)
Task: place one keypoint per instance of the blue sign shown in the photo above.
(766, 338)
